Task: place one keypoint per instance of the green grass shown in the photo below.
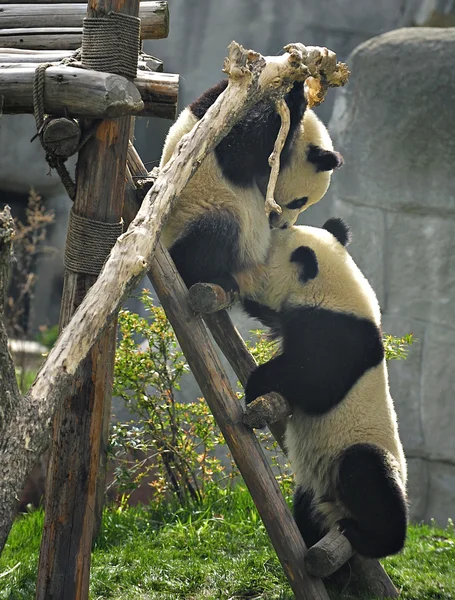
(218, 552)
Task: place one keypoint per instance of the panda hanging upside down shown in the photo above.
(342, 437)
(218, 228)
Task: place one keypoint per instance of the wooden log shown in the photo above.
(21, 57)
(329, 554)
(213, 381)
(61, 136)
(235, 350)
(55, 38)
(207, 298)
(83, 93)
(77, 443)
(159, 93)
(372, 577)
(70, 91)
(20, 17)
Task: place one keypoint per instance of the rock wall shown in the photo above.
(394, 124)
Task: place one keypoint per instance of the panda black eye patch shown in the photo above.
(297, 203)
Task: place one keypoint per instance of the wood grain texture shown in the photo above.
(21, 57)
(83, 93)
(70, 91)
(78, 444)
(329, 554)
(20, 17)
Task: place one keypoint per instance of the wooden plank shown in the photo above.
(74, 92)
(77, 445)
(21, 57)
(42, 39)
(154, 17)
(70, 91)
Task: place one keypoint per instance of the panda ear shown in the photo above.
(324, 160)
(339, 229)
(307, 261)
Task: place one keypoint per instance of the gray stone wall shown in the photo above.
(395, 125)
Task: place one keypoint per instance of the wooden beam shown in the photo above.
(70, 91)
(21, 57)
(77, 441)
(44, 38)
(61, 16)
(83, 93)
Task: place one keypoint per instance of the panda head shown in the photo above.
(311, 267)
(305, 178)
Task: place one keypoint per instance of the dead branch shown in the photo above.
(274, 158)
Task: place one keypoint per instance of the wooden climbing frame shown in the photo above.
(75, 483)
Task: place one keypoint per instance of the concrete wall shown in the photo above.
(394, 124)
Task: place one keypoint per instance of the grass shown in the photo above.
(220, 551)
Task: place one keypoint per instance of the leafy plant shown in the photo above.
(173, 442)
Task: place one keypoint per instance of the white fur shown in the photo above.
(367, 413)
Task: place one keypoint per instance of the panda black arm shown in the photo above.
(267, 316)
(326, 353)
(243, 154)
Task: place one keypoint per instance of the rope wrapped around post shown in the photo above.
(88, 243)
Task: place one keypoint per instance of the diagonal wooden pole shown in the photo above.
(213, 381)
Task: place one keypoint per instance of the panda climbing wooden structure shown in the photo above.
(218, 228)
(342, 437)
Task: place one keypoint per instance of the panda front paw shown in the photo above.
(255, 386)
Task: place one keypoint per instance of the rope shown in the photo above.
(88, 243)
(55, 162)
(111, 44)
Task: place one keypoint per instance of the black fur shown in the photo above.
(324, 160)
(308, 520)
(267, 316)
(324, 354)
(297, 203)
(243, 154)
(306, 258)
(369, 490)
(208, 250)
(339, 229)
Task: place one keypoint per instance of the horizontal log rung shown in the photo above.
(17, 19)
(74, 92)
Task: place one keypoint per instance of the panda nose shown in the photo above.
(274, 217)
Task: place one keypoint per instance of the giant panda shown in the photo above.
(218, 227)
(342, 437)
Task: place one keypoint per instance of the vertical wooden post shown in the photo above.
(73, 476)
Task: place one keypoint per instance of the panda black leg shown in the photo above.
(265, 378)
(307, 519)
(208, 251)
(368, 487)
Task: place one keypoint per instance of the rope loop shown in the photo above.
(88, 243)
(111, 44)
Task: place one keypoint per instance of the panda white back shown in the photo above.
(342, 438)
